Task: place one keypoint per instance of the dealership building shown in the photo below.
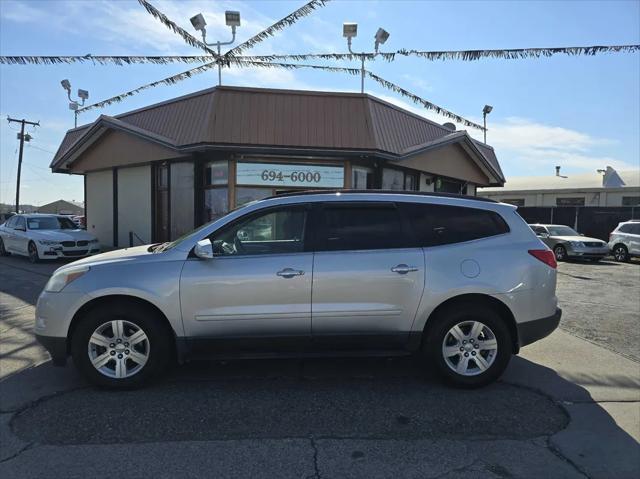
(157, 172)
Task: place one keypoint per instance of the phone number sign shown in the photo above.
(279, 174)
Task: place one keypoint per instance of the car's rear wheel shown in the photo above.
(470, 345)
(32, 250)
(620, 253)
(3, 251)
(122, 346)
(560, 252)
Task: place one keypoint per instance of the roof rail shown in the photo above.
(384, 192)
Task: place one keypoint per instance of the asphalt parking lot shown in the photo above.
(568, 406)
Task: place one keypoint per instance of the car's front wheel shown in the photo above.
(121, 346)
(32, 250)
(560, 252)
(3, 250)
(620, 253)
(469, 345)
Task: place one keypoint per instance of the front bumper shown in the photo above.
(57, 348)
(588, 252)
(532, 331)
(59, 251)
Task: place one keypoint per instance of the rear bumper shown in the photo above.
(57, 348)
(532, 331)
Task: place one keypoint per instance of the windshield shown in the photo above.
(51, 223)
(562, 231)
(166, 246)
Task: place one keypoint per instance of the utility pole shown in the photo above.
(21, 136)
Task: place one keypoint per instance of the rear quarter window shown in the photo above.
(444, 224)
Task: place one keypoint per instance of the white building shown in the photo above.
(601, 188)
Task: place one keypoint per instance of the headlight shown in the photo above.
(48, 242)
(59, 280)
(93, 241)
(577, 244)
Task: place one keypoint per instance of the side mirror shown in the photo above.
(20, 228)
(543, 235)
(203, 249)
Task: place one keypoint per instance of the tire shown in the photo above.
(97, 335)
(3, 251)
(32, 250)
(620, 253)
(560, 252)
(440, 340)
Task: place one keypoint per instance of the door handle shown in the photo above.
(403, 269)
(290, 273)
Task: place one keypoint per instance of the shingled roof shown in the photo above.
(237, 117)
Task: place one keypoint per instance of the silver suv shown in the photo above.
(624, 241)
(461, 282)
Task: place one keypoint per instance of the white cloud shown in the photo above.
(417, 82)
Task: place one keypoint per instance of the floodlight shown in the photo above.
(232, 18)
(349, 30)
(84, 94)
(381, 36)
(73, 106)
(66, 84)
(487, 109)
(198, 22)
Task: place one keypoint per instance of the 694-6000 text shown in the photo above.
(296, 176)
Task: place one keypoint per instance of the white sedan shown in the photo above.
(40, 236)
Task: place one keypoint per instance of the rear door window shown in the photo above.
(444, 224)
(362, 226)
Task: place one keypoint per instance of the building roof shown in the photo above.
(289, 119)
(610, 179)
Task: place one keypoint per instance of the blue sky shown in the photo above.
(582, 113)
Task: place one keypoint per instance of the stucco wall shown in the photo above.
(134, 204)
(99, 206)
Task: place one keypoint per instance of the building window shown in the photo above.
(216, 173)
(162, 203)
(361, 178)
(410, 182)
(514, 201)
(245, 195)
(216, 203)
(631, 201)
(392, 179)
(216, 192)
(570, 201)
(450, 186)
(181, 193)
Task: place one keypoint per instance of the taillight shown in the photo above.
(546, 256)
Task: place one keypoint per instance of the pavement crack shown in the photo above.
(559, 455)
(316, 469)
(25, 448)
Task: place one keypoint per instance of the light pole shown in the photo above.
(485, 111)
(349, 31)
(74, 104)
(232, 19)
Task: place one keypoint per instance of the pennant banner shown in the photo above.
(186, 36)
(463, 55)
(421, 101)
(203, 68)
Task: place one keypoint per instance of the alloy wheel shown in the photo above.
(118, 349)
(620, 253)
(33, 253)
(560, 253)
(470, 348)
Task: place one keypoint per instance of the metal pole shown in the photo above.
(219, 67)
(75, 120)
(22, 123)
(484, 117)
(362, 74)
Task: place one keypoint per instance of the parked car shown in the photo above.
(567, 243)
(624, 241)
(41, 236)
(461, 282)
